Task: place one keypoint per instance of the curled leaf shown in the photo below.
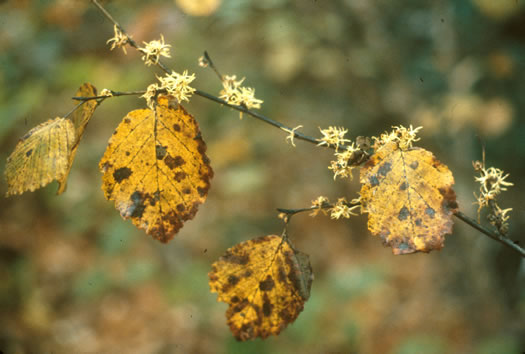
(40, 157)
(80, 118)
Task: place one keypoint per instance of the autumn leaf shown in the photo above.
(156, 170)
(47, 151)
(409, 199)
(40, 157)
(266, 283)
(80, 118)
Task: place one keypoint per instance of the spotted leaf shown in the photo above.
(409, 199)
(156, 170)
(266, 283)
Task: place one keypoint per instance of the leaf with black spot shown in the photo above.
(265, 282)
(409, 199)
(156, 169)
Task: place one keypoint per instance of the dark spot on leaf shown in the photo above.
(240, 306)
(236, 259)
(174, 162)
(127, 120)
(160, 152)
(267, 307)
(121, 174)
(374, 181)
(127, 153)
(403, 186)
(235, 299)
(186, 190)
(247, 274)
(176, 127)
(285, 315)
(449, 199)
(233, 280)
(28, 153)
(267, 284)
(115, 132)
(384, 169)
(403, 246)
(403, 213)
(180, 207)
(137, 208)
(202, 191)
(430, 212)
(180, 175)
(281, 276)
(418, 222)
(201, 148)
(155, 199)
(414, 165)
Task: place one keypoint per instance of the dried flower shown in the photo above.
(341, 209)
(333, 136)
(151, 93)
(319, 204)
(291, 134)
(404, 137)
(119, 39)
(106, 92)
(154, 50)
(178, 85)
(238, 95)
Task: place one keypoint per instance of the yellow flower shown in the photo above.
(154, 50)
(178, 85)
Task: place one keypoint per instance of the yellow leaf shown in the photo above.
(156, 170)
(41, 156)
(80, 118)
(266, 283)
(409, 198)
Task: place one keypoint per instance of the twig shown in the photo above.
(493, 235)
(471, 222)
(212, 66)
(113, 93)
(291, 212)
(211, 97)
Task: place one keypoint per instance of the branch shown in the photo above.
(471, 222)
(211, 97)
(493, 235)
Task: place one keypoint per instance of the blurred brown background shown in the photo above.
(76, 278)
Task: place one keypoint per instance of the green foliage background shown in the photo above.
(74, 277)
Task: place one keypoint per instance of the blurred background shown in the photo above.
(76, 278)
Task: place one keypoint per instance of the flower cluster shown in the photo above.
(174, 84)
(341, 166)
(319, 205)
(404, 137)
(492, 182)
(235, 94)
(341, 209)
(178, 85)
(119, 40)
(333, 136)
(154, 50)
